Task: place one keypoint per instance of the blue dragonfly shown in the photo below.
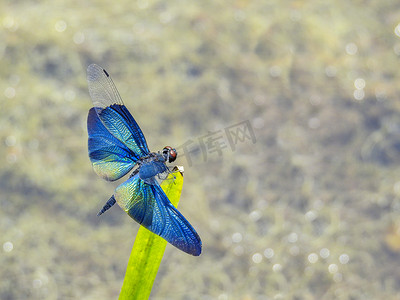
(116, 146)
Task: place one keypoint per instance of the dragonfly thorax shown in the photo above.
(154, 165)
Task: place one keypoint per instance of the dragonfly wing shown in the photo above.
(112, 112)
(111, 159)
(149, 206)
(101, 87)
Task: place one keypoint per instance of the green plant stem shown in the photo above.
(148, 250)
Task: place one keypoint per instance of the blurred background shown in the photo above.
(288, 116)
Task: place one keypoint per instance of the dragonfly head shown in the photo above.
(169, 154)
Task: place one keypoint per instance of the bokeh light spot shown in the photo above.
(292, 238)
(9, 92)
(11, 141)
(310, 215)
(8, 247)
(396, 49)
(313, 258)
(359, 83)
(269, 253)
(60, 26)
(37, 283)
(237, 237)
(275, 71)
(344, 258)
(255, 215)
(380, 94)
(359, 95)
(330, 71)
(397, 30)
(79, 38)
(277, 267)
(324, 253)
(257, 258)
(351, 49)
(333, 268)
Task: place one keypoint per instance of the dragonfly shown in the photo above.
(117, 146)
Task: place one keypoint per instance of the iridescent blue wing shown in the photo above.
(110, 158)
(110, 122)
(149, 206)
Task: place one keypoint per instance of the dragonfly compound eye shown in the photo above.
(170, 153)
